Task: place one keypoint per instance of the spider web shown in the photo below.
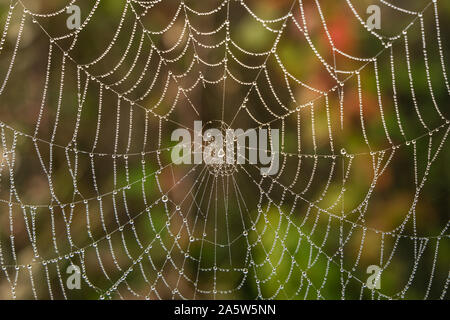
(87, 178)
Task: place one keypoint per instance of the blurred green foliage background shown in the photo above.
(118, 229)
